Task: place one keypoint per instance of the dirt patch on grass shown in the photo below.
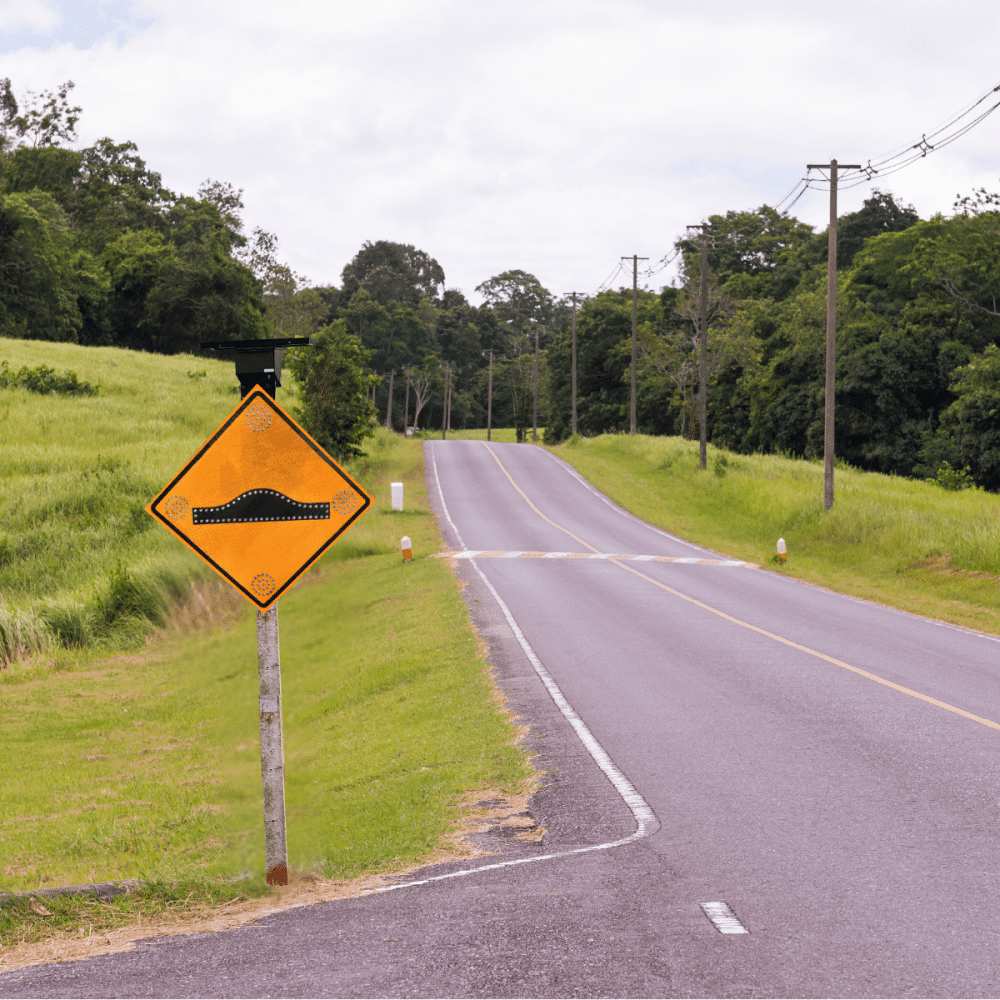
(942, 566)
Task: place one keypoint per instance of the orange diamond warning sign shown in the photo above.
(261, 501)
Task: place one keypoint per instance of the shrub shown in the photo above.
(953, 479)
(44, 380)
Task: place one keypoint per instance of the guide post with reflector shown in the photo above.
(407, 546)
(260, 502)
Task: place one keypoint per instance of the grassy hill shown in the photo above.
(80, 561)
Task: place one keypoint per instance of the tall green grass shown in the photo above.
(80, 561)
(907, 543)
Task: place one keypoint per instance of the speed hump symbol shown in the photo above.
(261, 501)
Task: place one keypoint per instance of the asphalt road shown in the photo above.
(821, 766)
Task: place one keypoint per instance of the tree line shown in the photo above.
(95, 250)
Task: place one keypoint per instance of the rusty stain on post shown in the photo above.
(272, 750)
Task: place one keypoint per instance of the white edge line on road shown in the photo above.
(646, 821)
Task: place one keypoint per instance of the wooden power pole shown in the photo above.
(445, 402)
(831, 327)
(572, 423)
(534, 424)
(635, 349)
(703, 347)
(489, 399)
(388, 409)
(406, 405)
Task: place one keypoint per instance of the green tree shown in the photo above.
(44, 119)
(134, 263)
(39, 286)
(604, 337)
(335, 379)
(520, 303)
(880, 214)
(961, 257)
(746, 249)
(969, 433)
(117, 193)
(393, 272)
(168, 296)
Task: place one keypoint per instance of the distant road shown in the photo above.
(802, 786)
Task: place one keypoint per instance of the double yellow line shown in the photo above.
(747, 625)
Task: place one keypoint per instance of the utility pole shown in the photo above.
(451, 393)
(635, 349)
(703, 346)
(831, 326)
(406, 405)
(489, 398)
(534, 425)
(572, 423)
(388, 409)
(444, 409)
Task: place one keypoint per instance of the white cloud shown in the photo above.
(32, 14)
(552, 137)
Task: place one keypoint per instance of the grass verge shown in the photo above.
(146, 764)
(901, 542)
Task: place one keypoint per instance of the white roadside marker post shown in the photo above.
(407, 547)
(782, 555)
(272, 748)
(397, 496)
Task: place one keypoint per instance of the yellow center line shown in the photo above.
(754, 628)
(524, 495)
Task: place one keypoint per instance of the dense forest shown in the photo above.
(95, 250)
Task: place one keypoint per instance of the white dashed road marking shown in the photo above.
(725, 921)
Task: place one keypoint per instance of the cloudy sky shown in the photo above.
(547, 136)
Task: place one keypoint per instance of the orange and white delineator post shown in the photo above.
(782, 555)
(407, 546)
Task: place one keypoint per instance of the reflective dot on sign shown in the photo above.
(177, 508)
(344, 502)
(258, 418)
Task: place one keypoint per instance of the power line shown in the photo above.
(904, 156)
(890, 162)
(607, 283)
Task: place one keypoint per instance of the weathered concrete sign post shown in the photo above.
(260, 502)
